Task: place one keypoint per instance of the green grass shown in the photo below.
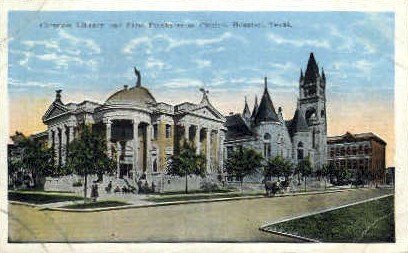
(99, 204)
(184, 197)
(40, 197)
(368, 222)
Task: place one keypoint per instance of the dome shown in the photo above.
(134, 95)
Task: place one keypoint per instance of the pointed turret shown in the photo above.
(246, 113)
(266, 112)
(255, 110)
(312, 70)
(301, 75)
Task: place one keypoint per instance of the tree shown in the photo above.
(187, 162)
(325, 172)
(88, 155)
(34, 159)
(278, 167)
(243, 162)
(304, 168)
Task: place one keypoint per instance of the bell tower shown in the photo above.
(312, 104)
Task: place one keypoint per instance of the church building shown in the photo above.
(141, 133)
(265, 129)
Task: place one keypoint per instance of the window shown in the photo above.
(267, 150)
(155, 132)
(155, 165)
(168, 131)
(267, 136)
(300, 154)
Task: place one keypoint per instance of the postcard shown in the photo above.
(173, 126)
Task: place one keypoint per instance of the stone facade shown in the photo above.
(266, 130)
(141, 134)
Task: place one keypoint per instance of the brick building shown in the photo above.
(364, 152)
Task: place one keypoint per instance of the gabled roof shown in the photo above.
(312, 70)
(266, 112)
(237, 128)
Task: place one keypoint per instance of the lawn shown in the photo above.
(368, 222)
(98, 204)
(40, 197)
(184, 197)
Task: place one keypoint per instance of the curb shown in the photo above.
(23, 203)
(306, 239)
(184, 202)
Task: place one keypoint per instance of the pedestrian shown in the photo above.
(94, 192)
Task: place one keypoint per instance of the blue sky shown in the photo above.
(356, 50)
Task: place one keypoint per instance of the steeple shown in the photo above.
(266, 112)
(246, 113)
(312, 70)
(255, 110)
(301, 75)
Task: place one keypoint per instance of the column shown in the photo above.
(197, 139)
(71, 133)
(58, 146)
(119, 151)
(208, 150)
(63, 145)
(108, 137)
(50, 133)
(135, 149)
(149, 129)
(186, 132)
(221, 151)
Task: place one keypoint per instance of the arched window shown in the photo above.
(267, 136)
(168, 131)
(300, 154)
(155, 165)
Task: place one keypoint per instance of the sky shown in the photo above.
(90, 55)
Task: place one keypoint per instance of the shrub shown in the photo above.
(209, 186)
(77, 183)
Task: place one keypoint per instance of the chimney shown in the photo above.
(58, 95)
(231, 113)
(125, 87)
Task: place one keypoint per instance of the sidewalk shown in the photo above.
(145, 204)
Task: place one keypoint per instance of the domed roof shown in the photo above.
(134, 95)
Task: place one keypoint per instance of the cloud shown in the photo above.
(61, 52)
(153, 63)
(298, 43)
(364, 66)
(19, 84)
(148, 43)
(202, 63)
(183, 83)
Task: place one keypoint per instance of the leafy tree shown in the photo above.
(243, 162)
(325, 172)
(187, 162)
(35, 159)
(278, 167)
(304, 169)
(88, 155)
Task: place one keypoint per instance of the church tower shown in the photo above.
(312, 104)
